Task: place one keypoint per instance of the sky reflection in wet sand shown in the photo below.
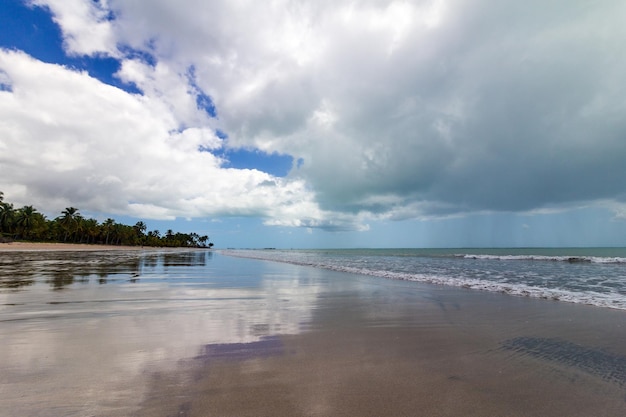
(80, 331)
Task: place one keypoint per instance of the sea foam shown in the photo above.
(591, 289)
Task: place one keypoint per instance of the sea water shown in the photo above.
(595, 276)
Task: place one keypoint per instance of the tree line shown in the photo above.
(28, 224)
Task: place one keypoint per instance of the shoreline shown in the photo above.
(374, 348)
(217, 335)
(77, 247)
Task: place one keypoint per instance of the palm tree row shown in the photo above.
(27, 223)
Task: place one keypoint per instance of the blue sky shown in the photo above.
(440, 123)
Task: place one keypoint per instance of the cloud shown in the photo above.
(86, 25)
(68, 139)
(395, 109)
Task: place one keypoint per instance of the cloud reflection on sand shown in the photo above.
(92, 345)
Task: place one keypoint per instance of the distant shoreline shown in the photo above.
(77, 247)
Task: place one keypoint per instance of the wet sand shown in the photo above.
(457, 354)
(236, 337)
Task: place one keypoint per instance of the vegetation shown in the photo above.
(28, 224)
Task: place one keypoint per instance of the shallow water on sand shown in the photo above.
(198, 333)
(594, 276)
(80, 331)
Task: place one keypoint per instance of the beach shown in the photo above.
(203, 334)
(74, 247)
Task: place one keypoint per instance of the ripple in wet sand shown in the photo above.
(608, 366)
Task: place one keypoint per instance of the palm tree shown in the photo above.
(153, 238)
(26, 219)
(27, 223)
(140, 229)
(91, 229)
(7, 217)
(69, 221)
(108, 227)
(79, 228)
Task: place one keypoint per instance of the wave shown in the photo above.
(570, 259)
(610, 300)
(607, 300)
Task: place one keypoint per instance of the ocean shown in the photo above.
(593, 276)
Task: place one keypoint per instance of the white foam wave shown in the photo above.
(570, 259)
(607, 300)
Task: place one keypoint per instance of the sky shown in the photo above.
(315, 123)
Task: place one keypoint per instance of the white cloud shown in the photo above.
(396, 109)
(70, 140)
(86, 26)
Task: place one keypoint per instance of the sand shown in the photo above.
(74, 247)
(237, 337)
(448, 361)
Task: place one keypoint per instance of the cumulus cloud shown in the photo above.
(394, 109)
(86, 25)
(67, 139)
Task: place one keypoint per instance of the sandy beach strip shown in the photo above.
(77, 247)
